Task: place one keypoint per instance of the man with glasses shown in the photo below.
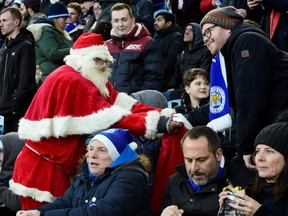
(257, 74)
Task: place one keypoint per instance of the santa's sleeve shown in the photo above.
(74, 106)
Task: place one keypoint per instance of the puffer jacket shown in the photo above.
(121, 191)
(51, 46)
(138, 63)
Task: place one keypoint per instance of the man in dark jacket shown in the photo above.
(257, 74)
(138, 63)
(169, 44)
(195, 187)
(112, 182)
(17, 79)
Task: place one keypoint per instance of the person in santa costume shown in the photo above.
(75, 101)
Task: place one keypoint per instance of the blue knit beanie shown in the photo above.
(57, 10)
(116, 140)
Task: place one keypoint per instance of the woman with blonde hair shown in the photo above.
(52, 42)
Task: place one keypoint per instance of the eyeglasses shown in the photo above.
(101, 62)
(207, 32)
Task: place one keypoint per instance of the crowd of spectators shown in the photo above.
(72, 69)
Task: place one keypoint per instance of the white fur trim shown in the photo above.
(125, 101)
(53, 1)
(133, 145)
(100, 51)
(221, 124)
(36, 29)
(152, 120)
(69, 125)
(168, 112)
(38, 195)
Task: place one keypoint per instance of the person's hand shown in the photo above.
(245, 204)
(28, 213)
(252, 4)
(249, 161)
(174, 126)
(172, 210)
(222, 196)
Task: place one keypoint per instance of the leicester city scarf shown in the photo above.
(220, 118)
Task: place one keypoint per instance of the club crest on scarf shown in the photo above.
(220, 118)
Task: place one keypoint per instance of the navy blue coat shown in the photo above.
(257, 75)
(138, 63)
(120, 191)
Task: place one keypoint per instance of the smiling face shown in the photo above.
(269, 162)
(198, 89)
(122, 22)
(214, 37)
(98, 157)
(201, 164)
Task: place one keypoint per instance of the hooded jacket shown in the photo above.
(51, 46)
(257, 75)
(138, 63)
(198, 57)
(17, 79)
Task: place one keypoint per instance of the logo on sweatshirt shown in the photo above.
(134, 47)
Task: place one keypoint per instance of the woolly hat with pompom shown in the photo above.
(116, 140)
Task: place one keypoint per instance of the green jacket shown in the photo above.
(51, 47)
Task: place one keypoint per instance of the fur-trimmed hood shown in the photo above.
(36, 28)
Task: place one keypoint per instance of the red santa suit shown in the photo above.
(74, 101)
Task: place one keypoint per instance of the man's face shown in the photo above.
(7, 24)
(85, 6)
(122, 22)
(201, 165)
(24, 12)
(214, 37)
(160, 24)
(188, 34)
(98, 157)
(97, 10)
(74, 16)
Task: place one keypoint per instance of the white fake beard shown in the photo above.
(96, 74)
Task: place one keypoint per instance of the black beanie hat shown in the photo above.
(225, 17)
(33, 4)
(275, 136)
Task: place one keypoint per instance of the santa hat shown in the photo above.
(91, 44)
(116, 141)
(57, 10)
